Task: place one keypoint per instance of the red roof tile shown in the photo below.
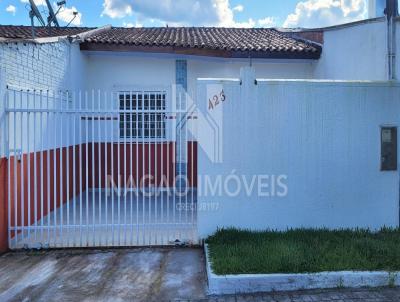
(25, 32)
(213, 41)
(259, 40)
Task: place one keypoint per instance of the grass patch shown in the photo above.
(303, 251)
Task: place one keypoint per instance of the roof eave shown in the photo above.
(311, 55)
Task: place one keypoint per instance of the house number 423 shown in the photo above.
(216, 100)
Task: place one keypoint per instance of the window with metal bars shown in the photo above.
(142, 114)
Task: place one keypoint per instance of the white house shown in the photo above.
(314, 112)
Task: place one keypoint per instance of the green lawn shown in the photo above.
(303, 251)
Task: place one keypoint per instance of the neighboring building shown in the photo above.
(139, 64)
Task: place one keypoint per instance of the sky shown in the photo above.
(227, 13)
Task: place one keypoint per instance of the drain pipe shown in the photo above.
(391, 12)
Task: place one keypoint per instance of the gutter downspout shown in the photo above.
(391, 12)
(391, 49)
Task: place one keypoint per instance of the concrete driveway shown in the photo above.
(155, 274)
(138, 275)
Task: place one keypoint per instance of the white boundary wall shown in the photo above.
(51, 66)
(324, 135)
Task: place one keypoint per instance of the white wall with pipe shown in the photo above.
(356, 52)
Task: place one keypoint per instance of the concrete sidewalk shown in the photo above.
(114, 275)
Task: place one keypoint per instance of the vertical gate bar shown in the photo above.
(54, 122)
(59, 166)
(35, 225)
(15, 171)
(22, 194)
(130, 166)
(163, 166)
(168, 141)
(149, 156)
(175, 163)
(7, 133)
(112, 166)
(67, 147)
(182, 166)
(188, 162)
(48, 128)
(118, 170)
(156, 142)
(195, 193)
(181, 132)
(74, 193)
(124, 178)
(186, 157)
(193, 124)
(80, 170)
(22, 172)
(99, 161)
(93, 170)
(169, 122)
(181, 150)
(28, 138)
(55, 165)
(23, 166)
(185, 165)
(137, 168)
(162, 226)
(61, 115)
(143, 170)
(41, 167)
(12, 244)
(87, 165)
(106, 163)
(187, 114)
(172, 167)
(179, 160)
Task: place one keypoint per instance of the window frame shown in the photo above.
(141, 111)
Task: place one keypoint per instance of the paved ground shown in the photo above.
(116, 275)
(137, 275)
(99, 220)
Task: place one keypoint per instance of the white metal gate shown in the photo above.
(101, 168)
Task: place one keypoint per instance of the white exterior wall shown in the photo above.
(107, 70)
(121, 71)
(324, 136)
(357, 52)
(267, 69)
